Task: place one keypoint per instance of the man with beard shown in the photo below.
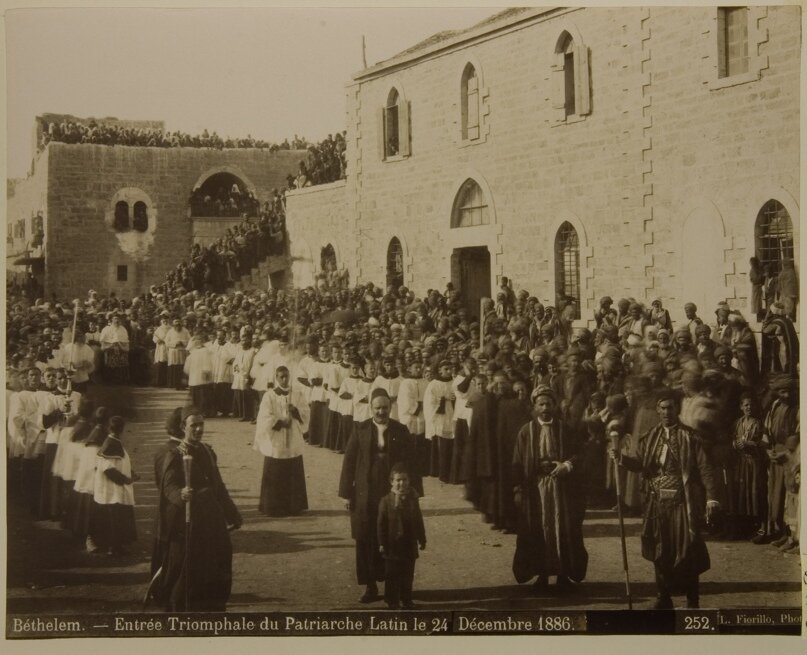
(375, 446)
(547, 492)
(680, 488)
(206, 574)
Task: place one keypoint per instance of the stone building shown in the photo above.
(117, 218)
(644, 152)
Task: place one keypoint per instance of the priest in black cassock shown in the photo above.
(213, 513)
(375, 446)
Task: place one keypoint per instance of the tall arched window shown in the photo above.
(567, 267)
(140, 222)
(394, 128)
(469, 101)
(395, 277)
(121, 216)
(327, 259)
(470, 206)
(572, 85)
(774, 235)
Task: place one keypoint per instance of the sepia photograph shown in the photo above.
(383, 321)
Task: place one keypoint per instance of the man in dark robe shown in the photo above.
(548, 493)
(513, 414)
(206, 566)
(780, 343)
(680, 488)
(781, 421)
(375, 446)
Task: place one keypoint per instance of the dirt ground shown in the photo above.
(307, 562)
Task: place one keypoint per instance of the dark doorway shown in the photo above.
(470, 273)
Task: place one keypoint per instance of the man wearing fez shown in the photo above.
(208, 574)
(680, 491)
(549, 498)
(375, 446)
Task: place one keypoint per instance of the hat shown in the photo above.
(691, 305)
(606, 299)
(703, 330)
(379, 392)
(542, 390)
(784, 382)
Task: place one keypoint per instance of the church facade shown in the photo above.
(580, 152)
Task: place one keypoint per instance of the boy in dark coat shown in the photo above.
(400, 531)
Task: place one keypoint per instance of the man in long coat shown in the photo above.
(680, 490)
(208, 573)
(549, 497)
(375, 446)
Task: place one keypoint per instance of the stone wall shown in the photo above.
(83, 250)
(26, 199)
(663, 140)
(317, 216)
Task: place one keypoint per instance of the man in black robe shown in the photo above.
(780, 343)
(680, 490)
(206, 566)
(549, 497)
(375, 446)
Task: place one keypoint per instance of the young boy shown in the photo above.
(400, 531)
(113, 495)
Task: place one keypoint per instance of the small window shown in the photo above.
(469, 102)
(141, 219)
(327, 259)
(567, 267)
(123, 273)
(732, 47)
(470, 206)
(568, 79)
(395, 276)
(394, 128)
(774, 236)
(121, 216)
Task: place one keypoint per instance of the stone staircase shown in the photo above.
(258, 278)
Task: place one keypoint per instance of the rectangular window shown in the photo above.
(568, 74)
(472, 131)
(123, 273)
(732, 45)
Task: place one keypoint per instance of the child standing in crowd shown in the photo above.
(410, 412)
(400, 532)
(113, 493)
(750, 474)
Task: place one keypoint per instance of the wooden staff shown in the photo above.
(187, 462)
(615, 445)
(72, 348)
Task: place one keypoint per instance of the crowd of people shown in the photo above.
(525, 411)
(326, 162)
(229, 202)
(112, 134)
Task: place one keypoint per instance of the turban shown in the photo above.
(634, 305)
(720, 351)
(683, 332)
(542, 390)
(784, 382)
(778, 309)
(736, 317)
(663, 331)
(606, 300)
(634, 339)
(703, 330)
(692, 306)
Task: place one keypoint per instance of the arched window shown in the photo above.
(140, 222)
(774, 235)
(395, 277)
(469, 101)
(470, 206)
(121, 216)
(567, 267)
(572, 87)
(394, 128)
(223, 194)
(327, 259)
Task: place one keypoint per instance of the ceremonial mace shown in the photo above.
(614, 434)
(187, 463)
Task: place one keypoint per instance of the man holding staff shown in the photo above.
(192, 561)
(680, 490)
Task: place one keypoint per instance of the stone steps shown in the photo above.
(258, 278)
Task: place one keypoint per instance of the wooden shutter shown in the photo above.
(404, 129)
(382, 142)
(582, 81)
